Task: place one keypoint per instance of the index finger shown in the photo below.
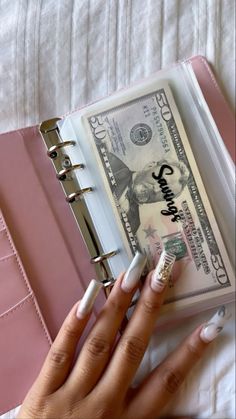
(60, 357)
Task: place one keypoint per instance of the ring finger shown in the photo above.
(96, 351)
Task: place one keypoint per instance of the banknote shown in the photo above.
(157, 192)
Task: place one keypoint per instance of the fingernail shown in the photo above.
(162, 271)
(88, 300)
(215, 325)
(134, 272)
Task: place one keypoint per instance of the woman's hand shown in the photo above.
(98, 384)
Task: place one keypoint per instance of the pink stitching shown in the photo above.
(29, 298)
(17, 258)
(1, 221)
(38, 313)
(5, 258)
(42, 323)
(11, 311)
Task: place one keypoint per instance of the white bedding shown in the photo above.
(56, 55)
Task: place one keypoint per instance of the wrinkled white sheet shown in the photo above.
(56, 55)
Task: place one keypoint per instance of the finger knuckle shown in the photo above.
(133, 348)
(97, 406)
(193, 350)
(117, 306)
(104, 412)
(58, 358)
(97, 346)
(71, 407)
(70, 332)
(32, 408)
(171, 379)
(150, 307)
(85, 371)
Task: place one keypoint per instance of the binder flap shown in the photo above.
(24, 336)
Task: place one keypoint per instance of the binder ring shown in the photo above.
(52, 151)
(108, 282)
(72, 197)
(101, 258)
(62, 174)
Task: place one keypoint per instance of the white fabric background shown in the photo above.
(56, 55)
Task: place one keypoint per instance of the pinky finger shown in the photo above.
(169, 375)
(61, 354)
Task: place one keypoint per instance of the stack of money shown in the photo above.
(158, 197)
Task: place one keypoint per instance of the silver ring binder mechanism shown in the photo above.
(52, 151)
(62, 174)
(74, 196)
(100, 258)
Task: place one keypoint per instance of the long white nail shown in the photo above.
(215, 325)
(88, 300)
(134, 272)
(162, 271)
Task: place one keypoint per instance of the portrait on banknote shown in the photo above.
(135, 188)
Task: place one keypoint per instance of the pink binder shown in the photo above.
(44, 264)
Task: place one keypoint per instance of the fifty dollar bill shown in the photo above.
(157, 193)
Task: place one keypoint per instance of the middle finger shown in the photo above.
(134, 341)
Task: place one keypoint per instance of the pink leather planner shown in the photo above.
(44, 263)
